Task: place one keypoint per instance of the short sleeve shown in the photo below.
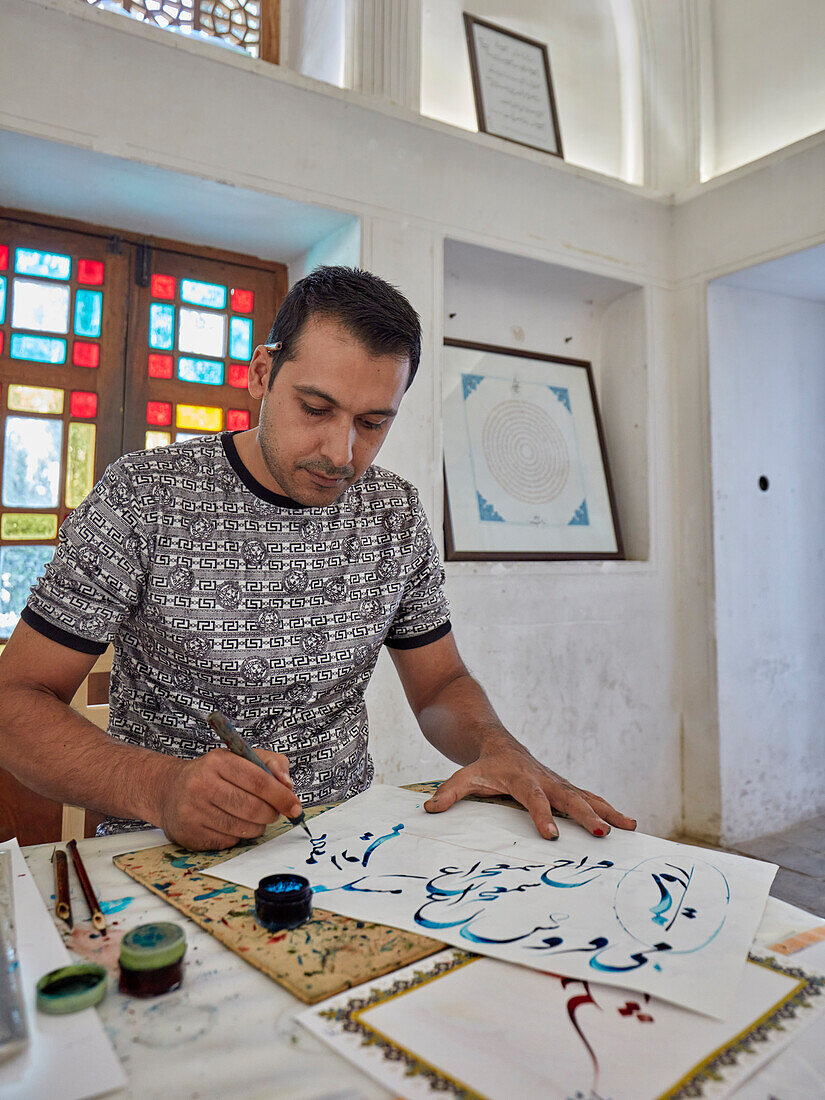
(98, 572)
(423, 615)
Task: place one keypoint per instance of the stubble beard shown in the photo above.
(287, 480)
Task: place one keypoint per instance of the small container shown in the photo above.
(283, 901)
(71, 988)
(151, 959)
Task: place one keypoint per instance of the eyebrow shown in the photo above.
(313, 391)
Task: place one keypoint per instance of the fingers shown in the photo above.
(258, 792)
(277, 764)
(608, 813)
(537, 804)
(450, 792)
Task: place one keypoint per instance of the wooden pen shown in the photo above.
(98, 920)
(62, 899)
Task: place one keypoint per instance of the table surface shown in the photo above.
(230, 1031)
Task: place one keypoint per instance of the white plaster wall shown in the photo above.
(766, 72)
(584, 63)
(767, 375)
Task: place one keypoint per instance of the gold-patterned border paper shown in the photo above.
(324, 956)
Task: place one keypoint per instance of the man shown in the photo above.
(259, 574)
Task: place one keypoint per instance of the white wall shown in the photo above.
(765, 71)
(767, 374)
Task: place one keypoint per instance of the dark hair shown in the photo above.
(375, 313)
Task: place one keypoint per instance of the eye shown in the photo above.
(372, 427)
(311, 410)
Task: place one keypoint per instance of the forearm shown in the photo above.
(460, 722)
(57, 753)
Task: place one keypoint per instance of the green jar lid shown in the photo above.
(152, 946)
(71, 988)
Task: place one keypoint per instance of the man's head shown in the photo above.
(350, 345)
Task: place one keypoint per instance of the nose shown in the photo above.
(338, 444)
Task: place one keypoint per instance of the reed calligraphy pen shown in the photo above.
(62, 899)
(235, 743)
(98, 920)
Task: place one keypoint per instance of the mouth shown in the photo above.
(325, 482)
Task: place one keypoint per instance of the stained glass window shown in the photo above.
(80, 463)
(157, 439)
(2, 299)
(88, 311)
(163, 286)
(17, 526)
(208, 371)
(243, 301)
(203, 294)
(36, 399)
(158, 412)
(90, 272)
(38, 349)
(40, 307)
(161, 366)
(237, 375)
(161, 327)
(20, 567)
(4, 257)
(237, 420)
(83, 404)
(31, 462)
(240, 338)
(201, 417)
(49, 265)
(202, 333)
(85, 355)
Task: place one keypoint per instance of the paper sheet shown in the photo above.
(627, 910)
(449, 1027)
(68, 1056)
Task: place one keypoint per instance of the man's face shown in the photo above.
(328, 411)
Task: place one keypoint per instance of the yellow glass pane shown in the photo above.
(80, 465)
(28, 525)
(35, 399)
(157, 439)
(202, 418)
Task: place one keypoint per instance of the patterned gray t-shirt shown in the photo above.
(219, 594)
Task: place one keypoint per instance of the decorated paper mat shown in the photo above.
(327, 954)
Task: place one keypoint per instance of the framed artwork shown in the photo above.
(526, 473)
(512, 86)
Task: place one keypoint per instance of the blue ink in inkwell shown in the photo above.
(283, 901)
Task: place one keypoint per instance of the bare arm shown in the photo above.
(457, 718)
(210, 802)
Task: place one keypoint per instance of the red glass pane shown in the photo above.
(90, 272)
(161, 366)
(4, 257)
(163, 286)
(238, 375)
(1, 341)
(243, 300)
(237, 420)
(85, 355)
(158, 412)
(83, 404)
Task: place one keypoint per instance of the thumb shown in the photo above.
(447, 795)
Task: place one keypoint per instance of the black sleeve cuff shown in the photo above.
(62, 637)
(418, 640)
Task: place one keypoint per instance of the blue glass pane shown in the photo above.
(203, 294)
(20, 567)
(88, 309)
(240, 339)
(161, 327)
(209, 371)
(40, 349)
(31, 462)
(2, 299)
(51, 265)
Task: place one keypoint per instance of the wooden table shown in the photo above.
(230, 1031)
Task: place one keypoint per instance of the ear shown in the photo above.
(260, 367)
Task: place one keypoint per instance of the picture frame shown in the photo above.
(512, 86)
(526, 476)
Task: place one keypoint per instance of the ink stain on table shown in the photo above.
(90, 944)
(170, 1023)
(116, 906)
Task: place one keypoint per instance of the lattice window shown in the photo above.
(75, 393)
(248, 25)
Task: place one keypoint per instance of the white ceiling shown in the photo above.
(122, 194)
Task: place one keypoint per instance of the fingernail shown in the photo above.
(600, 832)
(554, 836)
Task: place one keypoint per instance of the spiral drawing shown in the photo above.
(526, 452)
